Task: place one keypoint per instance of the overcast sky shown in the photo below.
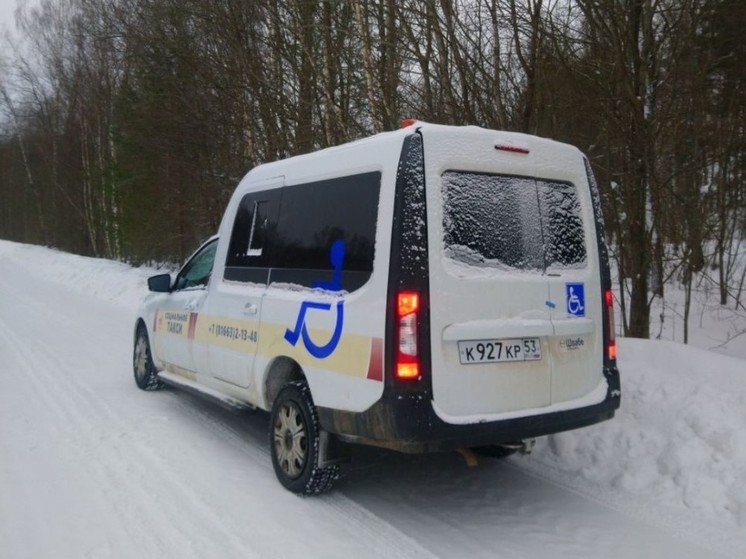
(7, 7)
(7, 20)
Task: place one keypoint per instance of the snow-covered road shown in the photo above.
(92, 467)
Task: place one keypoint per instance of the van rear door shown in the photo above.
(508, 249)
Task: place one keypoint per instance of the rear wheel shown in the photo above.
(294, 442)
(146, 377)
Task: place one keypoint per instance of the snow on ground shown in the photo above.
(679, 439)
(103, 279)
(92, 467)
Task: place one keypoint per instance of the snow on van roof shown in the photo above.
(516, 139)
(277, 168)
(392, 140)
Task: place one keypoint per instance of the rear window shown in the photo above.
(507, 222)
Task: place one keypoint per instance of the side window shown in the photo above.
(247, 258)
(315, 217)
(197, 271)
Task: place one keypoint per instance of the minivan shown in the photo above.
(429, 289)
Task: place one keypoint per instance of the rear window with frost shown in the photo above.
(498, 221)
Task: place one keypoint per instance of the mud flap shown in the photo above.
(332, 451)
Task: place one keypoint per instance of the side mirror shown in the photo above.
(160, 283)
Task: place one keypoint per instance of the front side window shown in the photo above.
(196, 272)
(507, 222)
(249, 233)
(248, 250)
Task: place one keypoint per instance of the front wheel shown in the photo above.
(146, 377)
(294, 442)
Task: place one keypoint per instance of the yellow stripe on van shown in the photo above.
(351, 357)
(231, 333)
(356, 355)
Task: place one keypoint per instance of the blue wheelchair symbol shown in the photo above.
(575, 296)
(336, 255)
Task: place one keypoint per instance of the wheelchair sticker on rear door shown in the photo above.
(575, 299)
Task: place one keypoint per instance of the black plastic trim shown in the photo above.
(611, 372)
(409, 265)
(409, 424)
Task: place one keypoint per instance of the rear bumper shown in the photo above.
(408, 423)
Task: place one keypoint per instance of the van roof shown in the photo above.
(393, 140)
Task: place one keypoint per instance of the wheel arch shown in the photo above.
(282, 371)
(144, 364)
(139, 323)
(142, 323)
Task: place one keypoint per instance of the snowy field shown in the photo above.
(91, 467)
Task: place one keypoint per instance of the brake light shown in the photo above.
(407, 359)
(611, 335)
(512, 148)
(408, 302)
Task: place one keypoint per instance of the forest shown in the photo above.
(126, 124)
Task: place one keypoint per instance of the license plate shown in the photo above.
(499, 351)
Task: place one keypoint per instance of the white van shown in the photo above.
(429, 289)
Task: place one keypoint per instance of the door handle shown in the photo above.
(190, 306)
(250, 308)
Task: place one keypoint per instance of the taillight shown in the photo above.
(611, 336)
(407, 313)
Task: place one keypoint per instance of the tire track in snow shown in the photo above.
(383, 537)
(76, 436)
(155, 491)
(65, 399)
(117, 467)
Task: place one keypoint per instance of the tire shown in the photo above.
(294, 442)
(146, 377)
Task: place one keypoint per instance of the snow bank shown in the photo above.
(679, 439)
(112, 281)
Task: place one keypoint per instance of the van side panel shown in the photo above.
(404, 407)
(327, 273)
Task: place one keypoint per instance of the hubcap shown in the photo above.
(290, 439)
(141, 358)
